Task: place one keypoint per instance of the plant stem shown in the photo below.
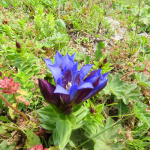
(6, 125)
(3, 12)
(16, 106)
(29, 7)
(9, 104)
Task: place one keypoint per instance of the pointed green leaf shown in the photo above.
(62, 133)
(32, 139)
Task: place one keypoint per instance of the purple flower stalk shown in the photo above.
(72, 85)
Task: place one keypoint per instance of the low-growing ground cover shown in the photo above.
(62, 101)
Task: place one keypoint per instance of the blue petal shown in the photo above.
(73, 56)
(73, 91)
(94, 73)
(48, 61)
(86, 85)
(67, 62)
(61, 90)
(82, 92)
(56, 71)
(75, 67)
(104, 76)
(92, 80)
(99, 72)
(58, 59)
(101, 85)
(84, 70)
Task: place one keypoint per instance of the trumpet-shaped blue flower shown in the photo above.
(72, 85)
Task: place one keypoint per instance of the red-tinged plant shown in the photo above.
(38, 147)
(9, 86)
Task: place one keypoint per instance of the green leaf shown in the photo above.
(100, 145)
(131, 94)
(62, 133)
(106, 139)
(99, 108)
(142, 79)
(72, 119)
(100, 45)
(48, 112)
(87, 60)
(2, 131)
(4, 146)
(54, 148)
(115, 86)
(3, 118)
(98, 53)
(81, 113)
(60, 23)
(75, 138)
(99, 119)
(139, 109)
(5, 4)
(122, 108)
(32, 139)
(48, 117)
(90, 128)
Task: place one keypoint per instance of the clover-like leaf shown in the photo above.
(115, 86)
(122, 107)
(107, 139)
(142, 79)
(139, 110)
(131, 94)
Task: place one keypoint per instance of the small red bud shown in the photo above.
(105, 60)
(92, 110)
(18, 45)
(1, 74)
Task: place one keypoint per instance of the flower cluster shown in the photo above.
(38, 147)
(8, 85)
(72, 85)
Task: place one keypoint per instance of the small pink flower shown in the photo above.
(9, 86)
(27, 103)
(38, 147)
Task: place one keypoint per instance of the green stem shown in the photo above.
(113, 105)
(16, 106)
(16, 110)
(3, 12)
(97, 134)
(6, 125)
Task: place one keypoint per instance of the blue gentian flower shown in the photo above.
(72, 85)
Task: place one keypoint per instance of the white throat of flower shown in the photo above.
(68, 86)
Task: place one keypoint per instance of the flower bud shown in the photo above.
(1, 74)
(18, 45)
(105, 60)
(92, 110)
